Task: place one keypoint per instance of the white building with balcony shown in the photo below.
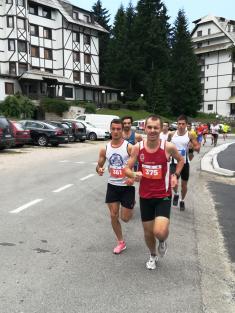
(50, 48)
(214, 38)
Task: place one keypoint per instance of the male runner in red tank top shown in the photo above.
(156, 183)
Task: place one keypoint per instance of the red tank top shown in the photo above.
(155, 167)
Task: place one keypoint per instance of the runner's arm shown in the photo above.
(195, 143)
(101, 161)
(131, 162)
(170, 135)
(172, 151)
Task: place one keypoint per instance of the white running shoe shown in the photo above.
(152, 262)
(162, 248)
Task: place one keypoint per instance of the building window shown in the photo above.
(9, 1)
(209, 31)
(20, 3)
(75, 15)
(206, 90)
(207, 79)
(87, 58)
(35, 68)
(20, 23)
(34, 30)
(76, 76)
(68, 92)
(87, 78)
(48, 54)
(49, 70)
(232, 108)
(47, 33)
(10, 22)
(33, 9)
(199, 44)
(11, 44)
(199, 33)
(9, 88)
(22, 46)
(35, 51)
(208, 42)
(210, 107)
(22, 68)
(87, 18)
(46, 13)
(76, 36)
(12, 68)
(76, 56)
(207, 66)
(233, 91)
(87, 39)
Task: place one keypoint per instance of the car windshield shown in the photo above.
(18, 126)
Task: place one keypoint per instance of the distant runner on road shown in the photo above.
(128, 134)
(215, 133)
(182, 139)
(120, 195)
(165, 131)
(153, 155)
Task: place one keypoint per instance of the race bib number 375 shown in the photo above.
(152, 171)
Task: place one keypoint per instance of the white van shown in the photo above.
(98, 120)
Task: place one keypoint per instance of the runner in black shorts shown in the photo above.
(120, 196)
(184, 173)
(152, 208)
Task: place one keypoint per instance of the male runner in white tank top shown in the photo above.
(181, 138)
(120, 193)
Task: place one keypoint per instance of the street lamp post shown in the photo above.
(103, 94)
(122, 96)
(142, 95)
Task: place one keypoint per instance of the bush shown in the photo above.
(55, 106)
(115, 105)
(90, 108)
(17, 106)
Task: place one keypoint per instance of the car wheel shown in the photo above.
(92, 136)
(42, 141)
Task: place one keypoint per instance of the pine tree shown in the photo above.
(102, 17)
(185, 80)
(152, 33)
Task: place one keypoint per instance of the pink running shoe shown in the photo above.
(120, 247)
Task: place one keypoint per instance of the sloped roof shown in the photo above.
(40, 75)
(220, 22)
(58, 5)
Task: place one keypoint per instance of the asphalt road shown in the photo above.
(226, 158)
(56, 244)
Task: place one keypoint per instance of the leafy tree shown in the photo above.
(26, 106)
(102, 17)
(185, 76)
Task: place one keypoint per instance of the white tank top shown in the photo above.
(164, 136)
(181, 142)
(117, 159)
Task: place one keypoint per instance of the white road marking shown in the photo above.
(63, 188)
(64, 161)
(27, 205)
(86, 177)
(80, 162)
(94, 163)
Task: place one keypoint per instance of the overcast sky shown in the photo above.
(194, 9)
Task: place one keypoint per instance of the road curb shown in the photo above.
(209, 162)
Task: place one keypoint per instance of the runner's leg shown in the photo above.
(114, 215)
(184, 188)
(161, 228)
(126, 214)
(149, 237)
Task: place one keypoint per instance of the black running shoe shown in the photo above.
(182, 206)
(175, 200)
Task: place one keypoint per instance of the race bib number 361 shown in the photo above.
(152, 171)
(117, 172)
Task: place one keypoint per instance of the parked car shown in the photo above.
(78, 129)
(6, 134)
(65, 126)
(98, 120)
(173, 126)
(94, 133)
(21, 135)
(43, 133)
(138, 125)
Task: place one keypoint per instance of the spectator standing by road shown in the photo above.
(120, 195)
(153, 155)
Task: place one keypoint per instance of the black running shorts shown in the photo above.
(152, 208)
(123, 194)
(184, 173)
